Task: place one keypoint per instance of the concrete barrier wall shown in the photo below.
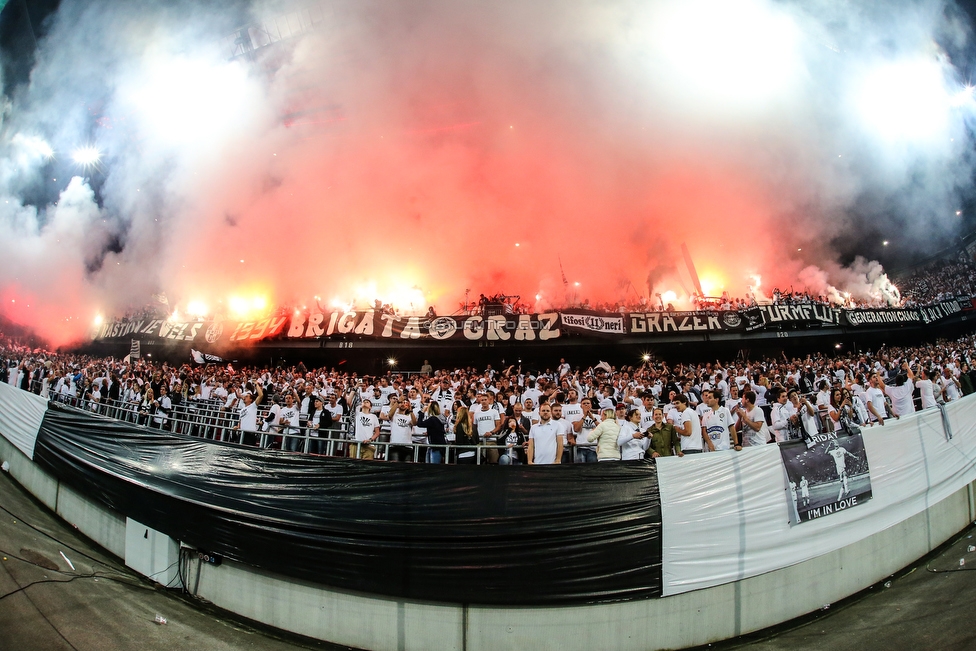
(37, 482)
(687, 619)
(102, 525)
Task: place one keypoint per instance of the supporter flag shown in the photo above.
(135, 349)
(161, 298)
(204, 358)
(604, 366)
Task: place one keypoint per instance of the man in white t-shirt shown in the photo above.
(780, 415)
(585, 451)
(563, 369)
(572, 410)
(742, 381)
(487, 424)
(688, 426)
(702, 409)
(733, 401)
(565, 427)
(530, 411)
(620, 413)
(901, 392)
(721, 385)
(248, 421)
(288, 416)
(334, 428)
(402, 419)
(752, 422)
(823, 395)
(717, 422)
(950, 385)
(96, 395)
(670, 411)
(874, 400)
(367, 431)
(802, 412)
(531, 393)
(486, 418)
(385, 389)
(545, 442)
(926, 389)
(646, 410)
(270, 423)
(840, 373)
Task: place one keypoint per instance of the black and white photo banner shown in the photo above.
(826, 475)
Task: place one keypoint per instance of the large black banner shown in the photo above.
(763, 316)
(501, 327)
(513, 328)
(210, 332)
(522, 535)
(919, 315)
(663, 322)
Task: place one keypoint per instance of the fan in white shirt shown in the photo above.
(926, 389)
(752, 422)
(718, 425)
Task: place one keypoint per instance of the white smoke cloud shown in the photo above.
(863, 280)
(385, 147)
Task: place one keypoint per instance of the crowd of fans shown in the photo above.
(515, 415)
(938, 281)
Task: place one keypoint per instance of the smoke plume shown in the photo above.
(415, 151)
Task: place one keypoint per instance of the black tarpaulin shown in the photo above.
(522, 535)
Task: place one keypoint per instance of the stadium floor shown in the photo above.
(105, 607)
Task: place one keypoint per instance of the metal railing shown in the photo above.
(209, 420)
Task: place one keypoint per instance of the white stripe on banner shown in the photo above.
(21, 413)
(725, 514)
